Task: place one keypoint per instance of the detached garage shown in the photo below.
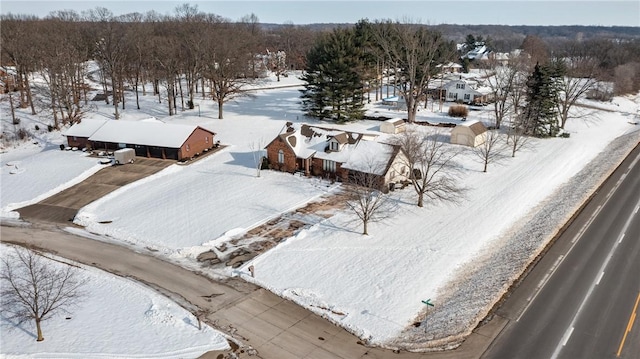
(154, 139)
(78, 134)
(148, 138)
(471, 133)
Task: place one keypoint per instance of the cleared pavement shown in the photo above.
(579, 301)
(275, 327)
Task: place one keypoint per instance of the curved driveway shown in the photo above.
(276, 328)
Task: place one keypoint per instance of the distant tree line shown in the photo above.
(190, 54)
(174, 57)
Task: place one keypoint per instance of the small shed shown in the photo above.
(471, 133)
(392, 126)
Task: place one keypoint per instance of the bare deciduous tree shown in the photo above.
(33, 289)
(580, 77)
(491, 150)
(257, 149)
(516, 137)
(432, 170)
(503, 81)
(365, 197)
(416, 51)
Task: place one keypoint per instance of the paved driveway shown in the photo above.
(63, 206)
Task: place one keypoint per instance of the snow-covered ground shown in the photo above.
(119, 318)
(29, 178)
(373, 285)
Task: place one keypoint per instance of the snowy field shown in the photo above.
(372, 285)
(34, 172)
(140, 322)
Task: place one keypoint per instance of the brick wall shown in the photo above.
(196, 143)
(273, 148)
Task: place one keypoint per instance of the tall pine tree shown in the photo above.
(540, 116)
(334, 81)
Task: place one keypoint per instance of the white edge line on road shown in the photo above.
(636, 210)
(599, 278)
(567, 335)
(563, 342)
(621, 238)
(540, 285)
(593, 285)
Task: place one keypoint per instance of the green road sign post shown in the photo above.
(428, 304)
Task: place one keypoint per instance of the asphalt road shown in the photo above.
(581, 301)
(272, 326)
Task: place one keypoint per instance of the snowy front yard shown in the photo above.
(119, 318)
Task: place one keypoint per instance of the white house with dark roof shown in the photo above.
(466, 91)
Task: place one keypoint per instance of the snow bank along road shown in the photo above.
(274, 327)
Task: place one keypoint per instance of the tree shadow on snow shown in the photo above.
(11, 324)
(244, 159)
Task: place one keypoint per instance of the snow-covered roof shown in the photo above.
(475, 126)
(450, 65)
(311, 141)
(85, 128)
(395, 121)
(370, 157)
(143, 133)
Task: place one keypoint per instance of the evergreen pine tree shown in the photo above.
(334, 83)
(540, 116)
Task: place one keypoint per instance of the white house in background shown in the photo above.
(392, 126)
(479, 52)
(451, 67)
(465, 91)
(471, 133)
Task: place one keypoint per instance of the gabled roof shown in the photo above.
(475, 126)
(311, 141)
(85, 128)
(372, 157)
(144, 133)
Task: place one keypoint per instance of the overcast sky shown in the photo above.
(502, 12)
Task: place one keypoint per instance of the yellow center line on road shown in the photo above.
(632, 318)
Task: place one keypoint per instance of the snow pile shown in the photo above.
(118, 319)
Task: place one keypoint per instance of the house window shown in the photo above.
(467, 96)
(206, 139)
(280, 156)
(328, 166)
(333, 145)
(74, 138)
(187, 148)
(460, 86)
